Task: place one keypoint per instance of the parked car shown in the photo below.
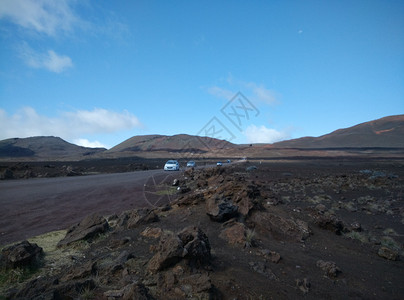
(219, 164)
(172, 165)
(228, 161)
(191, 164)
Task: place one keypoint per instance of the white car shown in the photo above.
(172, 165)
(219, 164)
(191, 164)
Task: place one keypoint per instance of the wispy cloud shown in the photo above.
(47, 17)
(261, 93)
(50, 60)
(68, 125)
(50, 20)
(100, 120)
(253, 91)
(262, 134)
(221, 92)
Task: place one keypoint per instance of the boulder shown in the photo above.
(356, 226)
(198, 283)
(169, 251)
(7, 174)
(329, 267)
(303, 285)
(81, 271)
(274, 256)
(235, 234)
(136, 217)
(190, 243)
(330, 222)
(196, 244)
(136, 291)
(280, 227)
(387, 253)
(23, 254)
(42, 288)
(88, 228)
(185, 286)
(262, 269)
(220, 209)
(152, 232)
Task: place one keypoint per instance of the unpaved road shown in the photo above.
(35, 206)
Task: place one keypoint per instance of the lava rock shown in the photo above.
(387, 253)
(220, 209)
(88, 228)
(22, 254)
(330, 268)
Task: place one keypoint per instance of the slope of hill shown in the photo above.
(175, 143)
(387, 132)
(43, 147)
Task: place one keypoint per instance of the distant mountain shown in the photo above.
(387, 132)
(43, 147)
(175, 143)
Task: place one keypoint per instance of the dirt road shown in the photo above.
(35, 206)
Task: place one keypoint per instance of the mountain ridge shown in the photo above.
(43, 147)
(384, 133)
(380, 133)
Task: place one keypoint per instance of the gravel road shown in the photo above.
(35, 206)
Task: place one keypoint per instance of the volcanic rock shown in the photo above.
(136, 217)
(262, 269)
(152, 232)
(330, 268)
(88, 228)
(220, 209)
(196, 244)
(303, 285)
(20, 255)
(234, 235)
(190, 243)
(280, 227)
(169, 251)
(387, 253)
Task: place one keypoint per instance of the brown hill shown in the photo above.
(175, 143)
(387, 132)
(43, 147)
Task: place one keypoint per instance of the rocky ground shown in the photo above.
(249, 231)
(41, 169)
(47, 169)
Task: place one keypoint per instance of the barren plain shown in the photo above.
(254, 230)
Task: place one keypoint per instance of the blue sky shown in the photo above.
(98, 72)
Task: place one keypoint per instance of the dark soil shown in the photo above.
(325, 220)
(41, 169)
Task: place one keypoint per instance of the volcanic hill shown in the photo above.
(387, 132)
(43, 148)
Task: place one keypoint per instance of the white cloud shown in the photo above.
(42, 16)
(68, 125)
(221, 92)
(261, 93)
(87, 143)
(253, 91)
(263, 134)
(102, 120)
(50, 61)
